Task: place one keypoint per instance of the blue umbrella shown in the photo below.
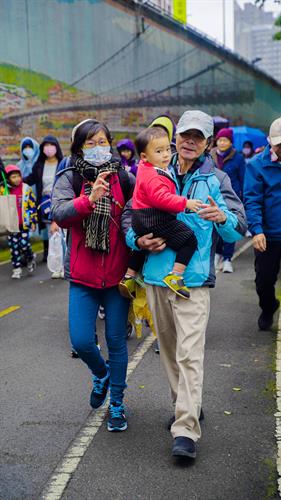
(242, 134)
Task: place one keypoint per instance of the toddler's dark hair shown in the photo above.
(147, 135)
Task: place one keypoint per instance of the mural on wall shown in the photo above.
(64, 60)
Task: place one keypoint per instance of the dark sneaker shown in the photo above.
(266, 319)
(74, 354)
(184, 447)
(99, 392)
(176, 283)
(172, 420)
(157, 349)
(117, 420)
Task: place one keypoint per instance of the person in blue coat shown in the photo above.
(262, 198)
(29, 151)
(232, 163)
(181, 324)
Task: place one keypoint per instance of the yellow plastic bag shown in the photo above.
(139, 312)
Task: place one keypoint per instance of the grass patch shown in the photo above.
(271, 488)
(36, 83)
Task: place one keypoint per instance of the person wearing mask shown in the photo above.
(29, 151)
(232, 163)
(262, 198)
(248, 150)
(88, 200)
(127, 151)
(43, 175)
(181, 324)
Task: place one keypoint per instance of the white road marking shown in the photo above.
(242, 249)
(59, 480)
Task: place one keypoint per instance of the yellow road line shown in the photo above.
(9, 310)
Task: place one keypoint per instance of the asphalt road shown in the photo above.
(44, 404)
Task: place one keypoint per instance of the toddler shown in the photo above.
(155, 205)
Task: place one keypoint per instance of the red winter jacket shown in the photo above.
(82, 264)
(156, 191)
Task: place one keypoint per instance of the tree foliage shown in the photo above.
(277, 35)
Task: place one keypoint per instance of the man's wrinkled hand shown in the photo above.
(259, 242)
(148, 242)
(212, 212)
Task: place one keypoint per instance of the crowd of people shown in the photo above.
(164, 222)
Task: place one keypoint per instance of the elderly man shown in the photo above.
(181, 324)
(262, 190)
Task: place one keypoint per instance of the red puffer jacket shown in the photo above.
(82, 264)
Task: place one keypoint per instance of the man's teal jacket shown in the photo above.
(205, 181)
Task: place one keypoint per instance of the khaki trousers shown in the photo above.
(180, 326)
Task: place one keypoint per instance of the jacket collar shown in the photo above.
(265, 157)
(228, 157)
(203, 166)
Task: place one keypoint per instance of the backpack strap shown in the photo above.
(125, 184)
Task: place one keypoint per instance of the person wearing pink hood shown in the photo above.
(19, 243)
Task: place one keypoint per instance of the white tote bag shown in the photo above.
(9, 221)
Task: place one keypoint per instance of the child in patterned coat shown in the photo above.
(19, 243)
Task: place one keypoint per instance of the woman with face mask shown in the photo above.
(88, 200)
(232, 163)
(43, 175)
(248, 150)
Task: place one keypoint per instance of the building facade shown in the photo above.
(253, 32)
(164, 5)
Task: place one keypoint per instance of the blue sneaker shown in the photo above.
(99, 392)
(117, 419)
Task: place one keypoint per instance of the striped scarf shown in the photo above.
(97, 224)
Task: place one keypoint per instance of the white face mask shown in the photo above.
(28, 153)
(97, 155)
(274, 156)
(246, 151)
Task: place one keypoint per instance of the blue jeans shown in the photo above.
(225, 249)
(84, 303)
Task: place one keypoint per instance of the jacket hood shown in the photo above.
(264, 158)
(126, 144)
(28, 141)
(168, 124)
(50, 139)
(12, 168)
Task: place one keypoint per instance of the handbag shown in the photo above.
(9, 221)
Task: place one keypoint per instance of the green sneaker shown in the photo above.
(127, 288)
(176, 283)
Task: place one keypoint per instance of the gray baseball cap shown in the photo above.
(275, 132)
(198, 120)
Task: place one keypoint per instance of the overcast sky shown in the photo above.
(206, 15)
